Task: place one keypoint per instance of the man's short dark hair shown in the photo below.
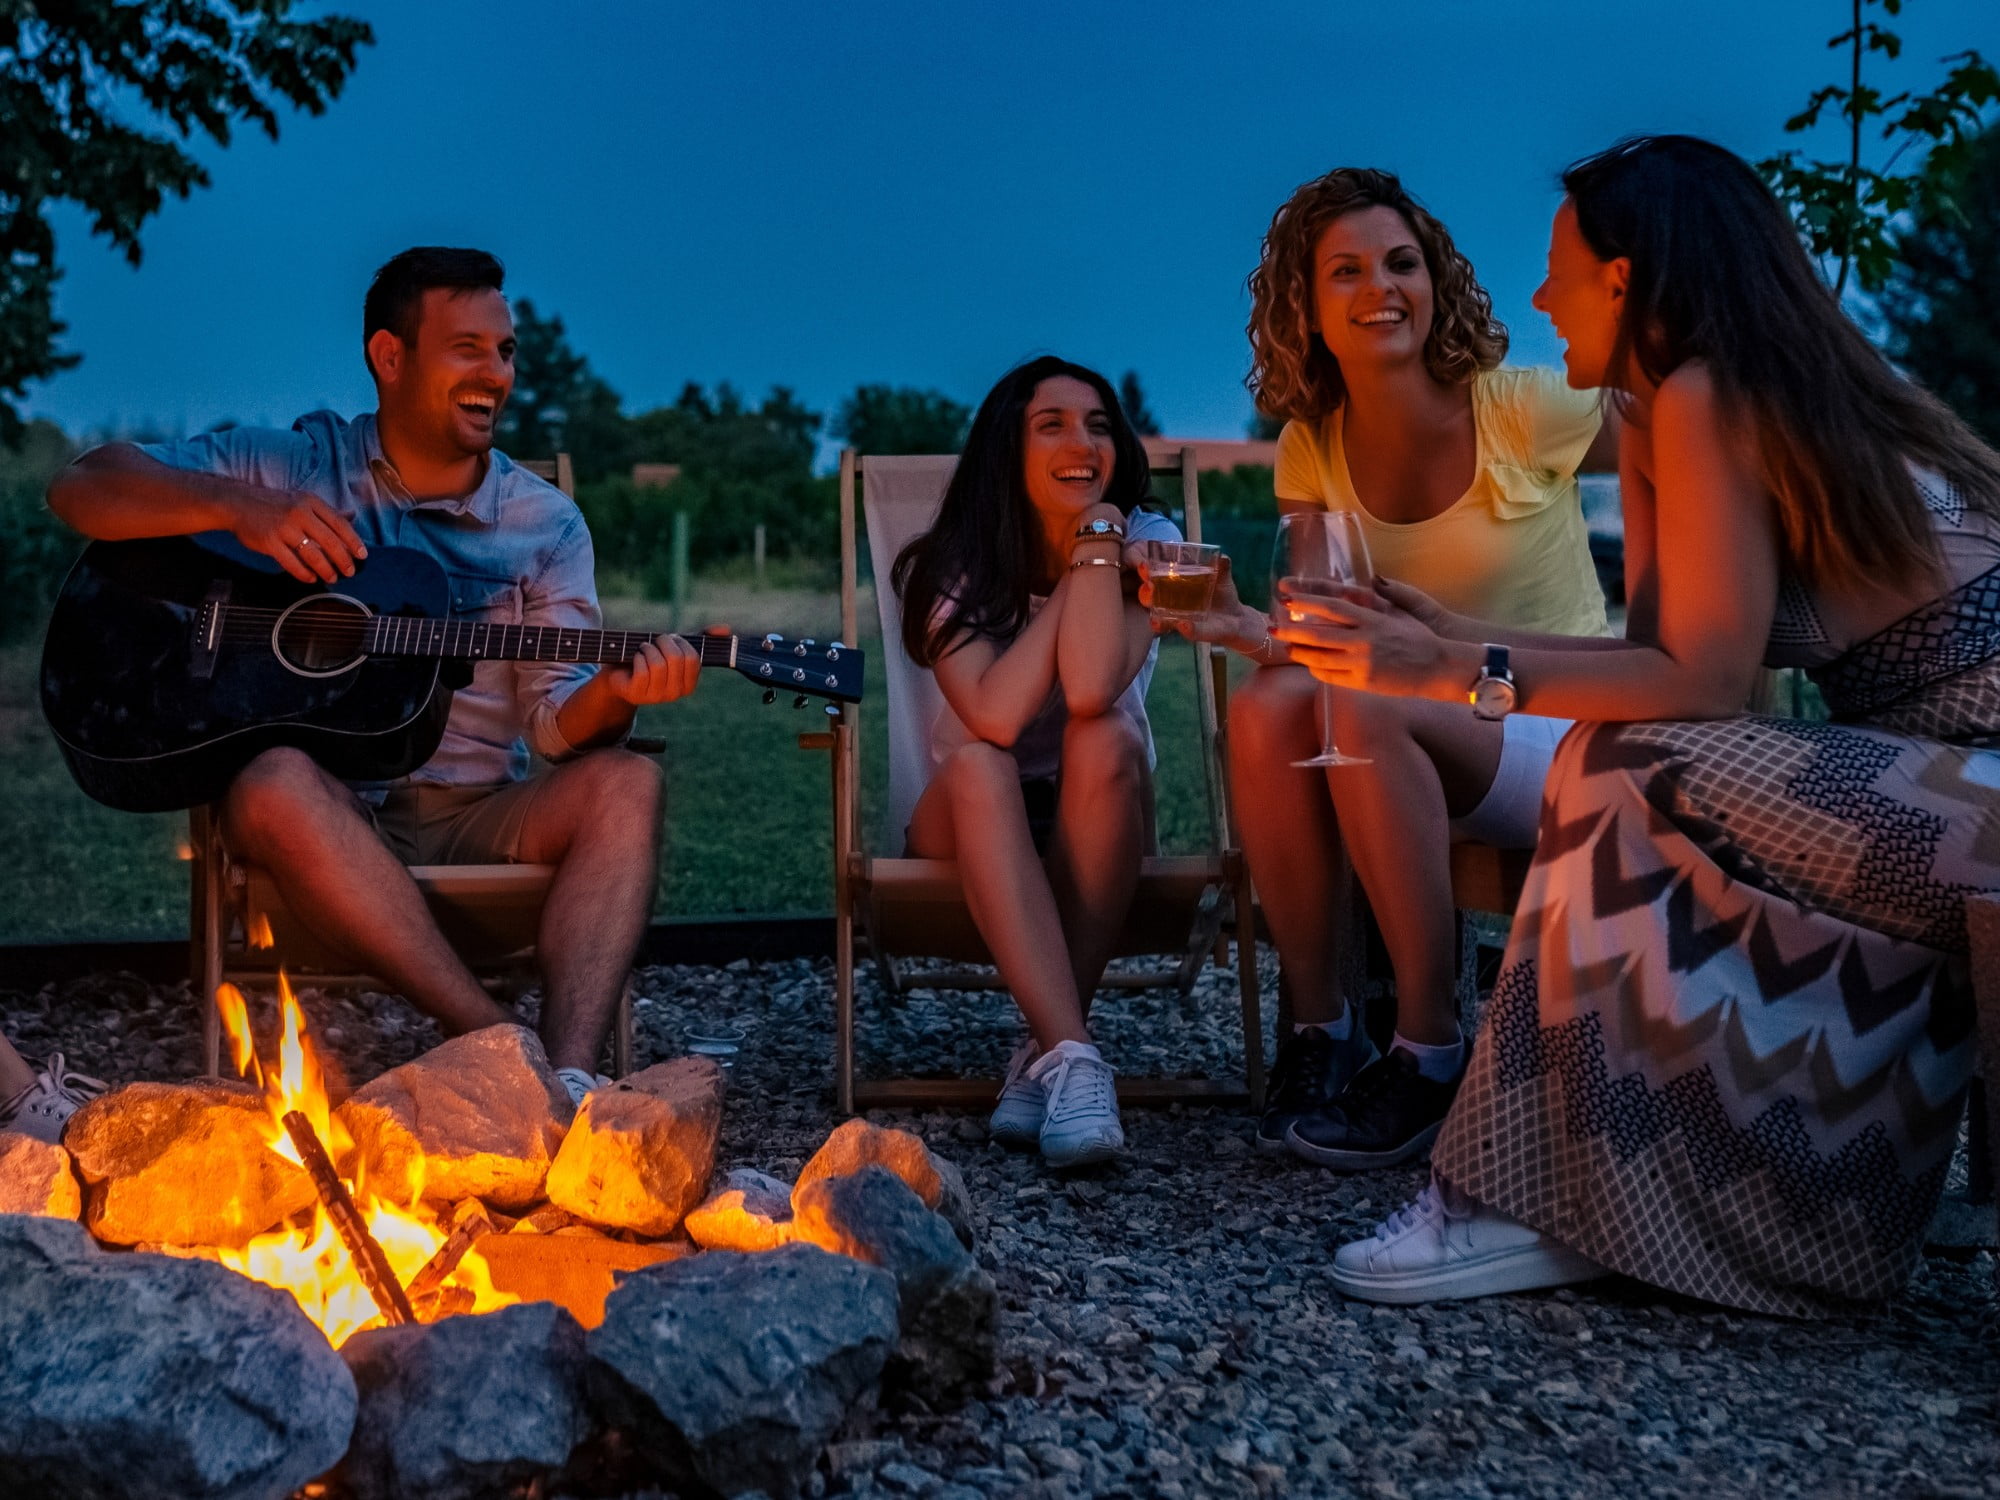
(395, 298)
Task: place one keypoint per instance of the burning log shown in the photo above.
(370, 1264)
(429, 1283)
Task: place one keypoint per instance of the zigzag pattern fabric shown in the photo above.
(1729, 1045)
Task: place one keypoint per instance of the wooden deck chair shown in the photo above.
(241, 930)
(912, 908)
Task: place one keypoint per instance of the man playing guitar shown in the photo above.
(422, 472)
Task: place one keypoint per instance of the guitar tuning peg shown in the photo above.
(832, 710)
(837, 646)
(770, 695)
(800, 701)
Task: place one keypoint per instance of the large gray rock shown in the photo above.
(182, 1164)
(480, 1116)
(730, 1372)
(35, 1178)
(467, 1407)
(639, 1154)
(149, 1376)
(856, 1144)
(946, 1302)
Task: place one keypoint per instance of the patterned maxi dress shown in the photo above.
(1730, 1040)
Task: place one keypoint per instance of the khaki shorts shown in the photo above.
(425, 824)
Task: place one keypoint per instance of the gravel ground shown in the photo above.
(1167, 1327)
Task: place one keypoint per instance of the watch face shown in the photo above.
(1491, 698)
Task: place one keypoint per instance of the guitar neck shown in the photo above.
(472, 640)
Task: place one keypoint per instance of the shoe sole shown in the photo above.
(1530, 1269)
(1362, 1161)
(1268, 1147)
(1084, 1156)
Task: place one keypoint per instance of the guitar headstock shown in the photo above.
(834, 671)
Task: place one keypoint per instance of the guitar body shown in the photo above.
(151, 716)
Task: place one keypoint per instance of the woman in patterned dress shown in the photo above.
(1728, 1048)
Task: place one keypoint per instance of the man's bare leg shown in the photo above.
(287, 815)
(1094, 853)
(973, 812)
(597, 820)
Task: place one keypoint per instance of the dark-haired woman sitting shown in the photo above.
(1019, 601)
(1729, 1044)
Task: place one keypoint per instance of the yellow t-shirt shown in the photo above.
(1513, 548)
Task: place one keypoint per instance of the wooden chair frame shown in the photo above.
(239, 929)
(916, 907)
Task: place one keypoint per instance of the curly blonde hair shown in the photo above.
(1292, 373)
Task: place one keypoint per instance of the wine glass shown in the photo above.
(1316, 552)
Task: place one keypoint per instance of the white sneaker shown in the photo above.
(1024, 1103)
(580, 1081)
(1081, 1125)
(43, 1108)
(1429, 1251)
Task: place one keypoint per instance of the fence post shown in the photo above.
(757, 553)
(677, 587)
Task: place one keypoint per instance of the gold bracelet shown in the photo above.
(1096, 562)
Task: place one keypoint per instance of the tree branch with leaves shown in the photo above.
(1844, 207)
(71, 74)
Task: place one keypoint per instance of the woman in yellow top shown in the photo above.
(1371, 335)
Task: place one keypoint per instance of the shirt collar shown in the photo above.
(483, 504)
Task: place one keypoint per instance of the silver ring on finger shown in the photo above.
(305, 542)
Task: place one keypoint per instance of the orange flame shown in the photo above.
(310, 1262)
(259, 933)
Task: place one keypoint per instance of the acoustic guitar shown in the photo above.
(172, 662)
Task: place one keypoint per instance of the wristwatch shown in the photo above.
(1493, 695)
(1100, 530)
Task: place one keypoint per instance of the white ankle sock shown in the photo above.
(1047, 1060)
(1340, 1028)
(1440, 1064)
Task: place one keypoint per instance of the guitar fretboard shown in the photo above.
(471, 640)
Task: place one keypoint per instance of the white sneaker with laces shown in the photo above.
(43, 1108)
(1431, 1250)
(1081, 1125)
(1017, 1119)
(580, 1081)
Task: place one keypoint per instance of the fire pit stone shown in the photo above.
(35, 1178)
(466, 1408)
(480, 1116)
(857, 1144)
(749, 1210)
(144, 1375)
(182, 1164)
(946, 1301)
(731, 1371)
(639, 1154)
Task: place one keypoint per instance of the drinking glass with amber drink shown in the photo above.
(1183, 576)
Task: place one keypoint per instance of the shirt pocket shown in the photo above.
(490, 601)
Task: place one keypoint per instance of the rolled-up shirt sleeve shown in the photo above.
(256, 455)
(564, 594)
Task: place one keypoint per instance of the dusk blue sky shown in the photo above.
(819, 195)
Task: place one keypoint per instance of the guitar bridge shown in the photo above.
(206, 643)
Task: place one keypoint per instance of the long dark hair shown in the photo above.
(1292, 372)
(1719, 275)
(983, 551)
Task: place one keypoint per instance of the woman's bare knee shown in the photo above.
(1270, 716)
(1105, 752)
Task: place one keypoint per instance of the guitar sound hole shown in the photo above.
(321, 636)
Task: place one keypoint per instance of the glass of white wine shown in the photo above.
(1316, 552)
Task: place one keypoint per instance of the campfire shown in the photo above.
(358, 1260)
(456, 1224)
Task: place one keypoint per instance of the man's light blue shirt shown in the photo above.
(516, 549)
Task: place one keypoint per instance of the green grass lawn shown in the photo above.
(749, 825)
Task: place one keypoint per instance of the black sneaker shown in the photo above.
(1310, 1071)
(1388, 1114)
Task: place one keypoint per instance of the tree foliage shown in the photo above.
(1843, 206)
(560, 404)
(1940, 307)
(74, 75)
(1132, 396)
(901, 419)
